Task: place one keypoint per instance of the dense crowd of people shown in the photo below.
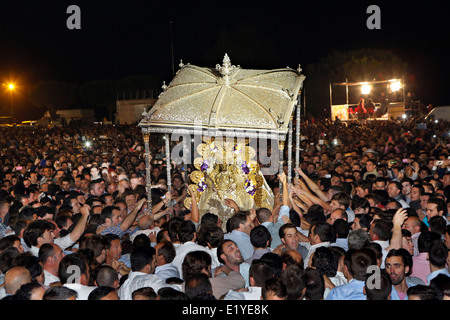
(364, 217)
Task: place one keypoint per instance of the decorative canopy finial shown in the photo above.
(164, 87)
(181, 65)
(226, 68)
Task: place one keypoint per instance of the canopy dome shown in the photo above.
(226, 97)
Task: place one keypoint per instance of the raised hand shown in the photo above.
(399, 217)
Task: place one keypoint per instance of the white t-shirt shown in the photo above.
(147, 232)
(82, 290)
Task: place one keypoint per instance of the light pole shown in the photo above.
(11, 89)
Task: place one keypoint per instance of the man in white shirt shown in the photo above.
(321, 234)
(37, 233)
(213, 236)
(50, 255)
(413, 225)
(187, 236)
(259, 272)
(327, 262)
(43, 231)
(76, 233)
(142, 275)
(146, 225)
(380, 232)
(165, 253)
(74, 274)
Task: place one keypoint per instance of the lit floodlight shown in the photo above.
(11, 86)
(404, 116)
(87, 144)
(395, 86)
(365, 89)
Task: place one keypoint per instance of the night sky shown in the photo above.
(122, 38)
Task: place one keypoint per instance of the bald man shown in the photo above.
(291, 257)
(146, 226)
(413, 225)
(14, 278)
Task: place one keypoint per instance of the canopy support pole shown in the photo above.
(148, 176)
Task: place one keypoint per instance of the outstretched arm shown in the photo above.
(80, 227)
(232, 204)
(312, 185)
(195, 216)
(285, 198)
(159, 205)
(129, 219)
(396, 239)
(314, 199)
(296, 205)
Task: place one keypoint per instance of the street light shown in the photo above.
(366, 88)
(396, 86)
(11, 88)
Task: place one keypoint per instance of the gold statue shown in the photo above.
(226, 171)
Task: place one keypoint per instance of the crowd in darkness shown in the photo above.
(369, 201)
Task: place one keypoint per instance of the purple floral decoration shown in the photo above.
(202, 186)
(245, 168)
(214, 149)
(205, 165)
(249, 187)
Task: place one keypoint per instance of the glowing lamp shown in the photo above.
(365, 89)
(395, 86)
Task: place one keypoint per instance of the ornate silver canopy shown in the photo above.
(226, 101)
(226, 97)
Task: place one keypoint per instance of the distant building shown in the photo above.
(66, 116)
(131, 104)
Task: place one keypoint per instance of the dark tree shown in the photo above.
(53, 95)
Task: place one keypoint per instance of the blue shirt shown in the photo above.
(284, 211)
(434, 274)
(425, 220)
(394, 292)
(341, 242)
(354, 290)
(125, 258)
(3, 229)
(257, 255)
(275, 227)
(243, 242)
(118, 231)
(244, 270)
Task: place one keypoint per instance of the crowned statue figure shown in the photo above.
(226, 170)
